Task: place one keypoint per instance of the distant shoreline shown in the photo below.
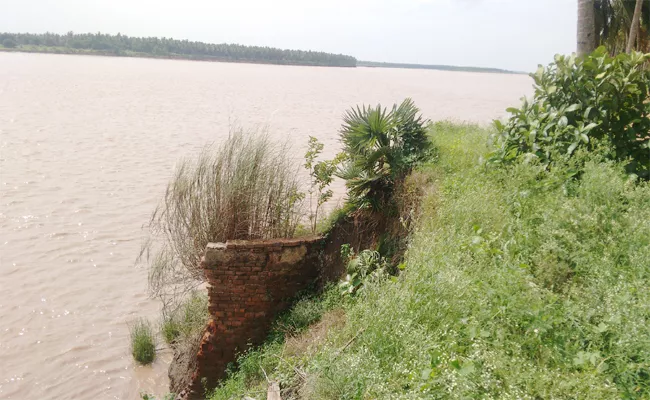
(365, 64)
(375, 64)
(88, 52)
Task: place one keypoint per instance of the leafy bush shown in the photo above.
(367, 265)
(380, 148)
(246, 188)
(143, 343)
(583, 102)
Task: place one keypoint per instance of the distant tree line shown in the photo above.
(122, 45)
(436, 67)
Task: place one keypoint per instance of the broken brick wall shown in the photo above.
(250, 282)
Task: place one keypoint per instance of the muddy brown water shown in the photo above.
(87, 145)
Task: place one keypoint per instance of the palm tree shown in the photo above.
(381, 146)
(614, 22)
(636, 23)
(586, 27)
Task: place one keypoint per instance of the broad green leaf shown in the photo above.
(573, 107)
(572, 148)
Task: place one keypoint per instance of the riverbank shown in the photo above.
(517, 284)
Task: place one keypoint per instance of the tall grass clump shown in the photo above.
(143, 343)
(246, 187)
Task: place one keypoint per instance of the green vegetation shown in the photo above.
(375, 64)
(288, 340)
(143, 343)
(526, 277)
(187, 321)
(321, 174)
(613, 19)
(246, 188)
(592, 101)
(121, 45)
(368, 265)
(380, 148)
(9, 43)
(520, 283)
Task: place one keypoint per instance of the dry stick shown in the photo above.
(273, 391)
(338, 353)
(265, 375)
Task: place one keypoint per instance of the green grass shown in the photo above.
(143, 343)
(188, 320)
(519, 284)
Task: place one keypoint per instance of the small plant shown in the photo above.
(147, 396)
(143, 343)
(368, 264)
(380, 148)
(321, 174)
(583, 103)
(170, 329)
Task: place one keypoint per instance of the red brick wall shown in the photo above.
(250, 282)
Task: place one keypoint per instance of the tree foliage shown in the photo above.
(613, 21)
(593, 101)
(173, 48)
(9, 43)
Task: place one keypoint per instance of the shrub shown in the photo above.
(579, 102)
(246, 188)
(9, 43)
(143, 343)
(367, 265)
(380, 148)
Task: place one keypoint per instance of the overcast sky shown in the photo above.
(511, 34)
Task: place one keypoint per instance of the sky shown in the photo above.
(511, 34)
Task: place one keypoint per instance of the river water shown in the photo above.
(87, 145)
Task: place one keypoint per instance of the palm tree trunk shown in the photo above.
(586, 27)
(634, 29)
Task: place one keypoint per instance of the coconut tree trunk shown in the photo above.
(634, 29)
(586, 27)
